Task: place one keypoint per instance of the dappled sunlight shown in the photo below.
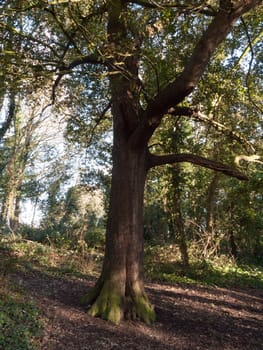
(188, 315)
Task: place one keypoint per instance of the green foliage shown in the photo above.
(18, 254)
(95, 237)
(163, 264)
(19, 324)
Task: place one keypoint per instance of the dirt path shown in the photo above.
(188, 318)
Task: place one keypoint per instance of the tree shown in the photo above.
(117, 36)
(17, 148)
(120, 286)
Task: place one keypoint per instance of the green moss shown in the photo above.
(108, 304)
(88, 298)
(144, 309)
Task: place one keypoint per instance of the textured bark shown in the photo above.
(120, 290)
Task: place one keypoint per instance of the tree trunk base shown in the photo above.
(108, 303)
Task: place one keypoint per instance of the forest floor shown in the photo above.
(188, 317)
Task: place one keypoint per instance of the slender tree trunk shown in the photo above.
(177, 218)
(210, 245)
(8, 204)
(232, 243)
(10, 209)
(15, 223)
(12, 199)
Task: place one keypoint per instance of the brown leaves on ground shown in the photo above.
(189, 317)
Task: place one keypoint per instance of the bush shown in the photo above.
(95, 237)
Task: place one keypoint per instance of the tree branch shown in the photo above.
(9, 116)
(197, 115)
(183, 85)
(250, 65)
(255, 158)
(200, 8)
(66, 69)
(197, 160)
(64, 31)
(97, 123)
(176, 91)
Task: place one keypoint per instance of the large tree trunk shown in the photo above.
(120, 290)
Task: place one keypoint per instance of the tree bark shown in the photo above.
(120, 290)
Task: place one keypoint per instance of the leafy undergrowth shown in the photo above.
(20, 321)
(163, 264)
(20, 254)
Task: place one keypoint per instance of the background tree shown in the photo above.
(17, 148)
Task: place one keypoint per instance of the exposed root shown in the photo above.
(92, 295)
(107, 302)
(139, 306)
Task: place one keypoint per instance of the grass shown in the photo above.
(163, 264)
(20, 254)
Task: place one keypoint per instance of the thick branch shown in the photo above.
(197, 160)
(176, 91)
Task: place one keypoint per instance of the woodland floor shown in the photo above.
(189, 317)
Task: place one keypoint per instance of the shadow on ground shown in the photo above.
(189, 317)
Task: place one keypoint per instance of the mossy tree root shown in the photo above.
(108, 303)
(139, 306)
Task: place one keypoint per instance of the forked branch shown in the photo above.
(176, 91)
